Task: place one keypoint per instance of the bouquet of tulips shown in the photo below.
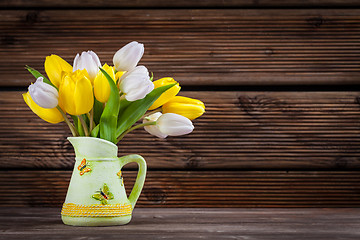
(107, 101)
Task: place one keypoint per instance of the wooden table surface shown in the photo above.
(191, 223)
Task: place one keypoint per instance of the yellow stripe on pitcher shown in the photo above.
(96, 210)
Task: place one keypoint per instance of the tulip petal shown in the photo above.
(83, 96)
(66, 95)
(126, 58)
(54, 68)
(154, 129)
(43, 94)
(174, 125)
(166, 96)
(187, 107)
(75, 93)
(88, 61)
(101, 84)
(51, 115)
(136, 84)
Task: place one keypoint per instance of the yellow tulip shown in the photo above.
(75, 93)
(101, 84)
(187, 107)
(55, 66)
(51, 115)
(167, 95)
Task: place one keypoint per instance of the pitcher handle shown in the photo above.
(140, 179)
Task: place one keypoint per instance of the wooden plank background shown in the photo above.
(199, 47)
(281, 87)
(180, 4)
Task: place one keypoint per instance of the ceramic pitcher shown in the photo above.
(96, 195)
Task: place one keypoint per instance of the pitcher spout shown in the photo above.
(93, 147)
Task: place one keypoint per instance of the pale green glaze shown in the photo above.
(101, 158)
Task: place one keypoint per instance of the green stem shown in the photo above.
(135, 127)
(86, 130)
(71, 126)
(91, 119)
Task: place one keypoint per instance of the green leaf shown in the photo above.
(138, 108)
(98, 110)
(77, 125)
(95, 131)
(109, 117)
(37, 74)
(123, 105)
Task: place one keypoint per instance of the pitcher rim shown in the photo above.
(98, 139)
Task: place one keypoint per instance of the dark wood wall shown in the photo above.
(280, 82)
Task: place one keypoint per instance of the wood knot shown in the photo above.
(192, 162)
(155, 194)
(357, 100)
(245, 103)
(32, 17)
(260, 104)
(315, 21)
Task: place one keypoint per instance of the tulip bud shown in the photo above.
(184, 106)
(168, 94)
(136, 84)
(88, 61)
(101, 84)
(128, 56)
(76, 94)
(55, 66)
(43, 94)
(168, 124)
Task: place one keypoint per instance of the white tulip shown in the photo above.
(89, 61)
(168, 124)
(128, 56)
(43, 94)
(136, 84)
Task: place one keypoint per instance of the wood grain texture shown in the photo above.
(176, 4)
(190, 223)
(240, 130)
(197, 47)
(199, 188)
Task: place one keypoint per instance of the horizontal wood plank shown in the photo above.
(176, 4)
(191, 223)
(200, 188)
(240, 130)
(196, 47)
